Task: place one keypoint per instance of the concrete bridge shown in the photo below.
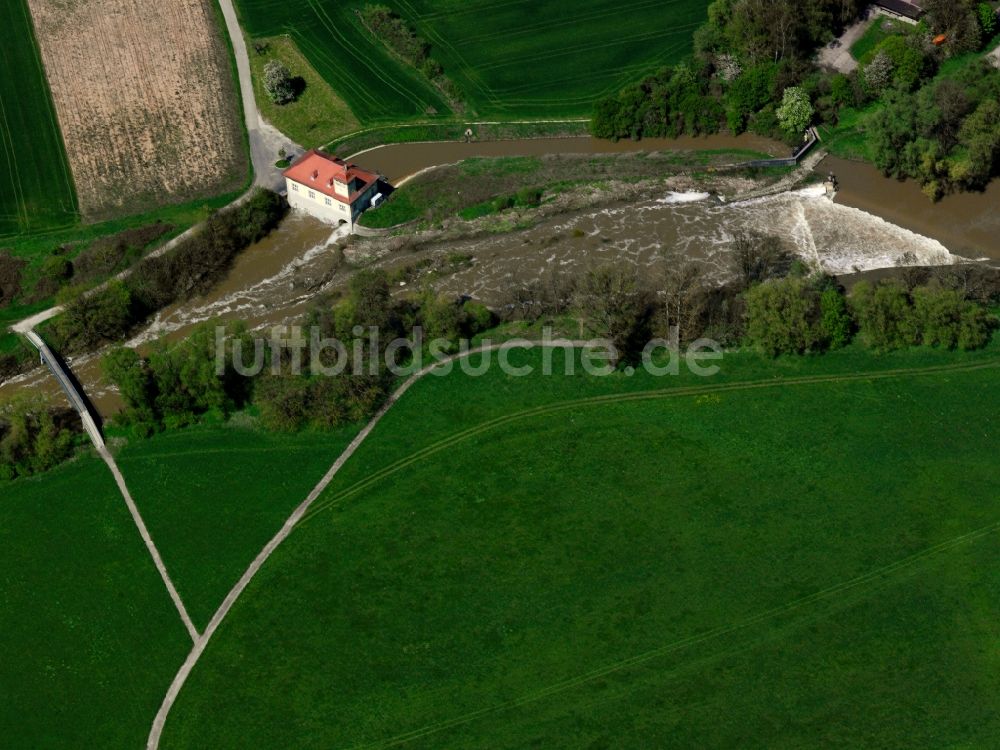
(69, 385)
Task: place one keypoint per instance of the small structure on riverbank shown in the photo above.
(329, 188)
(909, 10)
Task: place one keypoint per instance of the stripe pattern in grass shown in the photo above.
(36, 186)
(510, 58)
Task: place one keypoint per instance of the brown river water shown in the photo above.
(871, 224)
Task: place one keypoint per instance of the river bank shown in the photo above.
(275, 281)
(968, 224)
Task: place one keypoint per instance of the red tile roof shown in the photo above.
(319, 171)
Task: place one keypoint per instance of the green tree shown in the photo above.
(796, 111)
(987, 20)
(783, 317)
(758, 257)
(131, 375)
(612, 303)
(885, 315)
(835, 319)
(370, 299)
(278, 82)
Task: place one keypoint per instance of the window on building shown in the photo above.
(312, 195)
(329, 201)
(343, 207)
(295, 187)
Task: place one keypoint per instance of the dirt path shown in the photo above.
(837, 54)
(300, 513)
(994, 56)
(80, 403)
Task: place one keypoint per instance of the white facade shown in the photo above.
(323, 207)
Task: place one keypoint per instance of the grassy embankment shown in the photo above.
(454, 131)
(636, 569)
(492, 185)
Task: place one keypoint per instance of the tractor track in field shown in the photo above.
(876, 576)
(302, 513)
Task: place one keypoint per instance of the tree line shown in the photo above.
(773, 303)
(178, 384)
(752, 69)
(189, 269)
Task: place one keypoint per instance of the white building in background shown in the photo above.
(329, 188)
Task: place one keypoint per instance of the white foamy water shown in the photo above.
(828, 236)
(673, 198)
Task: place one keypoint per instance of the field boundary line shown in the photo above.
(159, 721)
(618, 398)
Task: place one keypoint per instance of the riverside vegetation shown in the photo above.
(913, 108)
(774, 304)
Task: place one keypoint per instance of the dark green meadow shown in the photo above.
(551, 58)
(510, 59)
(792, 553)
(36, 186)
(212, 497)
(89, 636)
(782, 564)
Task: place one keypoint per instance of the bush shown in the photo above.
(889, 317)
(11, 269)
(884, 315)
(278, 82)
(177, 384)
(190, 268)
(34, 438)
(55, 272)
(784, 317)
(835, 319)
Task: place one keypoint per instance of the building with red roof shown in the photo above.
(329, 188)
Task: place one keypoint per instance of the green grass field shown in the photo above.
(880, 30)
(36, 186)
(89, 635)
(511, 58)
(213, 496)
(610, 569)
(91, 638)
(788, 565)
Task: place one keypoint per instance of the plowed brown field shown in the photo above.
(146, 100)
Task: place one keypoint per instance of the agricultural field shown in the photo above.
(213, 496)
(36, 187)
(85, 613)
(90, 636)
(145, 96)
(510, 59)
(506, 563)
